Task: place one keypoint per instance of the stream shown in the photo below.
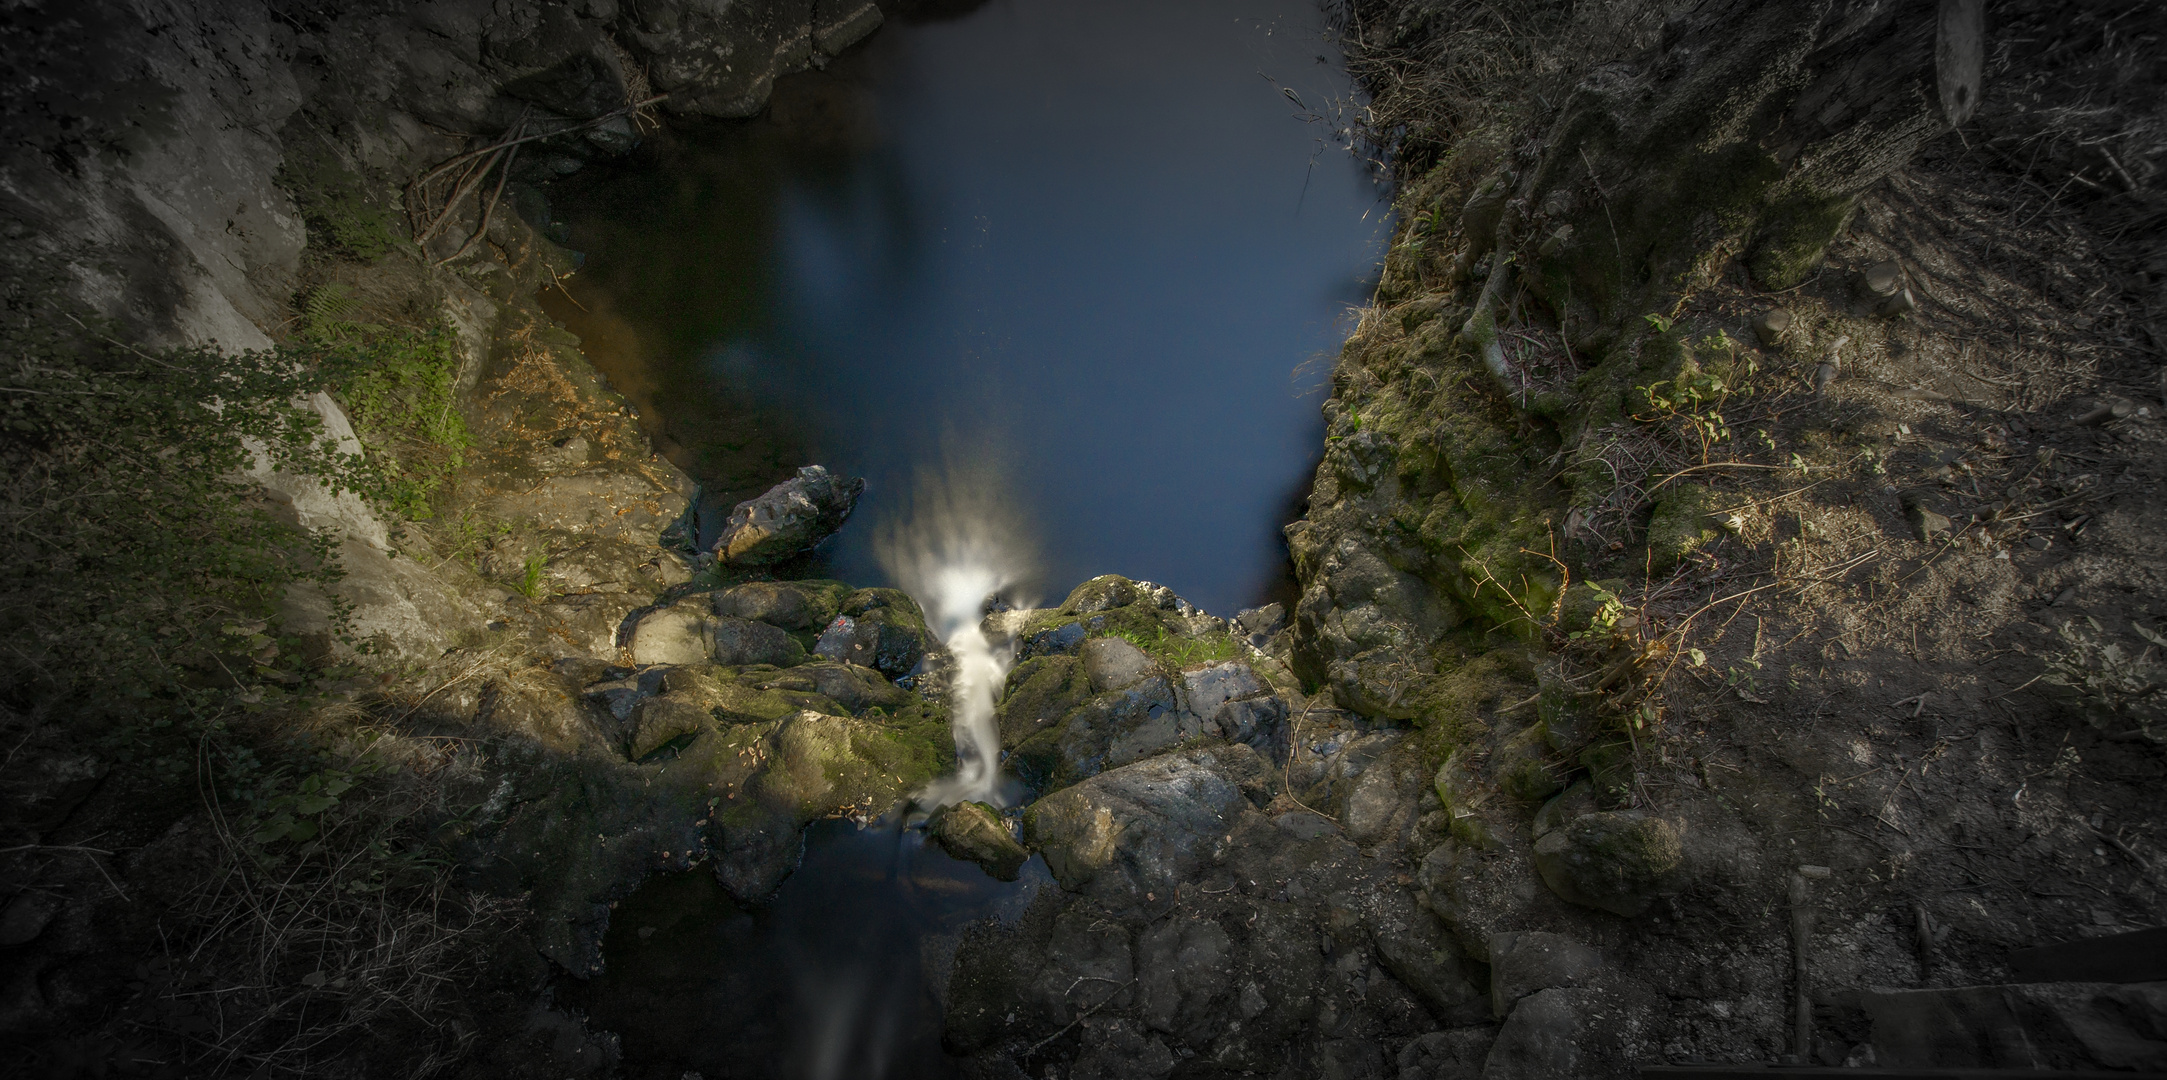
(1099, 255)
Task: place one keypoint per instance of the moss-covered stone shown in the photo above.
(1681, 522)
(1041, 691)
(1615, 861)
(1610, 770)
(975, 832)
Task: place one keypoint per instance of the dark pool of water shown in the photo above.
(1106, 245)
(834, 978)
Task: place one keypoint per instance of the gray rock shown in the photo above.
(1416, 950)
(792, 605)
(1303, 825)
(1131, 835)
(1259, 625)
(1542, 1039)
(1111, 664)
(1109, 731)
(1618, 861)
(1771, 325)
(974, 832)
(1120, 1049)
(890, 638)
(1260, 723)
(1524, 962)
(853, 687)
(1208, 690)
(1455, 1054)
(1925, 519)
(1881, 280)
(1184, 969)
(788, 520)
(1351, 1059)
(673, 635)
(657, 721)
(742, 642)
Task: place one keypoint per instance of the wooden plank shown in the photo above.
(2138, 956)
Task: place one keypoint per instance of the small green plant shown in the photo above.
(398, 386)
(2122, 695)
(1660, 323)
(1179, 652)
(530, 577)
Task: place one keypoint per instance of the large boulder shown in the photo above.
(788, 520)
(673, 635)
(743, 642)
(1108, 731)
(1618, 861)
(801, 606)
(1131, 835)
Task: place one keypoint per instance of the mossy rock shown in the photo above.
(797, 606)
(1617, 861)
(666, 721)
(1683, 520)
(1523, 768)
(1610, 770)
(853, 687)
(1103, 593)
(1041, 691)
(975, 832)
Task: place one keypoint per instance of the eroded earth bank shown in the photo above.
(1730, 598)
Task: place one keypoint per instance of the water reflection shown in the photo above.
(1095, 235)
(829, 980)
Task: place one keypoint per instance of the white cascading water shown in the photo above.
(955, 550)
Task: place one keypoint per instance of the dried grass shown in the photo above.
(293, 960)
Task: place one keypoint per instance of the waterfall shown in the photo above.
(956, 548)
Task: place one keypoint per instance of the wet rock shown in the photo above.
(788, 520)
(849, 685)
(792, 605)
(1140, 830)
(1618, 861)
(1771, 325)
(1111, 664)
(975, 832)
(1108, 731)
(1456, 1054)
(880, 629)
(740, 642)
(1060, 639)
(1041, 691)
(1524, 962)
